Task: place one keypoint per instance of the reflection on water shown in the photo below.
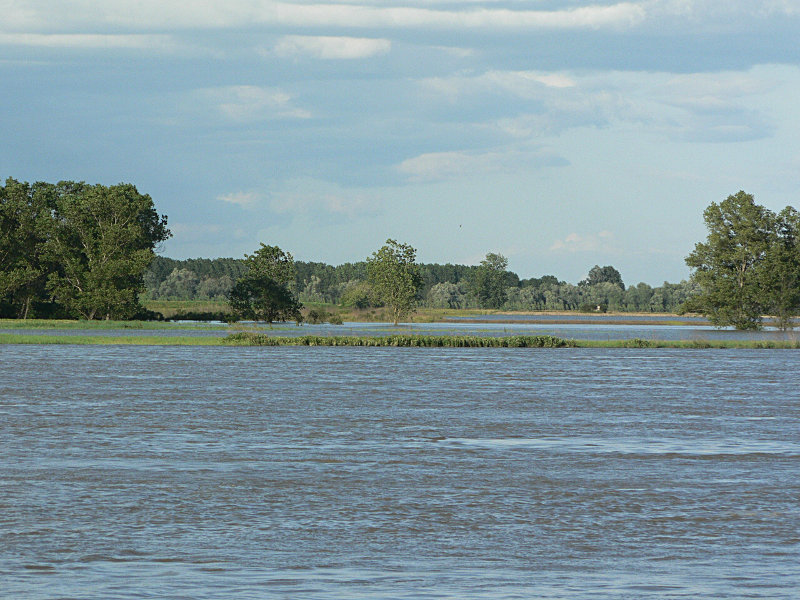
(131, 472)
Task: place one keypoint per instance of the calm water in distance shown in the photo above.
(579, 331)
(211, 473)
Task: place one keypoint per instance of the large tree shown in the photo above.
(489, 281)
(102, 240)
(606, 274)
(729, 265)
(395, 277)
(781, 275)
(263, 292)
(24, 214)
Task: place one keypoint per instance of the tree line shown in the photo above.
(442, 286)
(77, 250)
(74, 250)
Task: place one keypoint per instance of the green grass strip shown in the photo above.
(406, 341)
(91, 325)
(417, 341)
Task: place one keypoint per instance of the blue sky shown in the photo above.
(562, 134)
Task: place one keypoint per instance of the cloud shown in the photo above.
(246, 103)
(434, 166)
(182, 14)
(331, 47)
(602, 241)
(323, 201)
(243, 199)
(88, 40)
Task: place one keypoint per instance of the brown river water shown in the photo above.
(238, 473)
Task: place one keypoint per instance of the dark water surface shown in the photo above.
(197, 472)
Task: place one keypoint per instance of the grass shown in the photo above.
(171, 308)
(248, 338)
(79, 324)
(420, 341)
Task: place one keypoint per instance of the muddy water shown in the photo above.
(195, 472)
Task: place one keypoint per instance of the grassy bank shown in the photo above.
(79, 324)
(416, 341)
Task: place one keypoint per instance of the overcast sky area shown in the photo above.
(561, 134)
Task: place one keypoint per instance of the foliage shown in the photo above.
(394, 275)
(247, 338)
(444, 286)
(358, 294)
(489, 281)
(263, 299)
(607, 274)
(781, 276)
(730, 264)
(446, 295)
(262, 293)
(102, 239)
(74, 249)
(24, 212)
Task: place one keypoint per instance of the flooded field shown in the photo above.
(199, 472)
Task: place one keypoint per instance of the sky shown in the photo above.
(561, 134)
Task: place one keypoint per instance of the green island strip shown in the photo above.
(407, 341)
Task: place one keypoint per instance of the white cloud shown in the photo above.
(253, 103)
(182, 14)
(446, 165)
(243, 199)
(320, 199)
(88, 40)
(331, 47)
(602, 241)
(523, 84)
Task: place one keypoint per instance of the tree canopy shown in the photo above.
(490, 280)
(749, 264)
(76, 249)
(395, 277)
(262, 293)
(607, 274)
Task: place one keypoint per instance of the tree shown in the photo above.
(358, 294)
(446, 295)
(101, 241)
(395, 277)
(24, 212)
(781, 274)
(490, 281)
(729, 265)
(262, 293)
(607, 274)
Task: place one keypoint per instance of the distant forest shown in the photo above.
(444, 286)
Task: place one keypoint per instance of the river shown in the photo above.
(238, 473)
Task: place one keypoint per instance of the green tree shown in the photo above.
(358, 294)
(781, 274)
(395, 277)
(102, 240)
(24, 214)
(490, 280)
(728, 266)
(446, 295)
(262, 293)
(607, 274)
